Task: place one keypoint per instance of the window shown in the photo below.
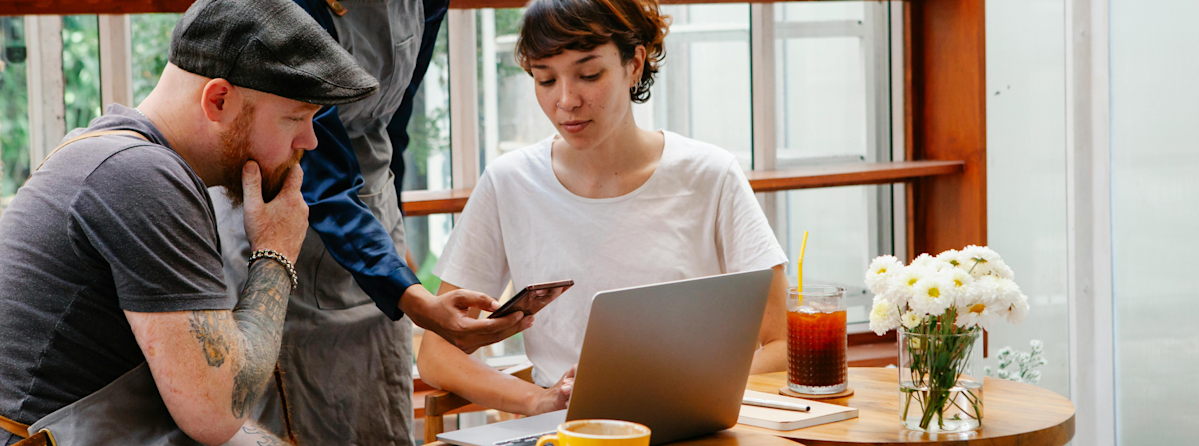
(834, 92)
(427, 161)
(830, 70)
(706, 51)
(151, 38)
(80, 70)
(14, 110)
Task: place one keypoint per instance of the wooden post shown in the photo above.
(947, 114)
(116, 60)
(43, 69)
(946, 56)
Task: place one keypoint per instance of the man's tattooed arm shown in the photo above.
(251, 434)
(257, 326)
(259, 316)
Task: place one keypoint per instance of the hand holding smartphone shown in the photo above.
(533, 298)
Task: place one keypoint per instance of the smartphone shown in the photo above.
(533, 298)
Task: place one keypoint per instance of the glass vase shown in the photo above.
(939, 391)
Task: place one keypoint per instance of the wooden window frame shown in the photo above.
(944, 116)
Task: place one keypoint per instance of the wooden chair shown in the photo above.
(440, 403)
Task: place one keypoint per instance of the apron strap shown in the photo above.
(91, 135)
(13, 427)
(291, 435)
(41, 438)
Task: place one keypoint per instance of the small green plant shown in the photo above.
(1018, 366)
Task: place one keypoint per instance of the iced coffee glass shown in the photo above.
(816, 340)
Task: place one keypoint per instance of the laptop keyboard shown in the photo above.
(523, 441)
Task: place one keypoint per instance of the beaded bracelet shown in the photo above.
(274, 255)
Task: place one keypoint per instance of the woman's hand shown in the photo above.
(556, 397)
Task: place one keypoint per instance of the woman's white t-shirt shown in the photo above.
(696, 216)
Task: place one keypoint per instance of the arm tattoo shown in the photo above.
(259, 317)
(212, 329)
(262, 437)
(257, 322)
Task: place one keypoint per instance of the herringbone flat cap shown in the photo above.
(268, 45)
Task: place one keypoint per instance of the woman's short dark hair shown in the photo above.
(550, 27)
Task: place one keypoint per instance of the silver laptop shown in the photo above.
(673, 356)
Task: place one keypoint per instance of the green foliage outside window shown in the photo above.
(81, 69)
(151, 40)
(429, 132)
(14, 107)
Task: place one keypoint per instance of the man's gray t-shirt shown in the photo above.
(107, 224)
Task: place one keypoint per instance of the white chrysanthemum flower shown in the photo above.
(978, 259)
(910, 320)
(1003, 291)
(963, 282)
(884, 317)
(1000, 268)
(902, 284)
(930, 262)
(980, 314)
(881, 269)
(952, 257)
(982, 253)
(1018, 309)
(933, 295)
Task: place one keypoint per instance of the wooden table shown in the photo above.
(734, 437)
(1013, 414)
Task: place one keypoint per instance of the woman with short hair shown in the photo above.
(604, 203)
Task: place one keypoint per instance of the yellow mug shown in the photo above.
(598, 433)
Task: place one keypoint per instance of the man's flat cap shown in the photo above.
(271, 46)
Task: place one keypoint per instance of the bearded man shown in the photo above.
(115, 324)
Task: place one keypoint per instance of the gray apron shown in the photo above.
(346, 367)
(126, 411)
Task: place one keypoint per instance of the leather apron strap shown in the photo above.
(42, 438)
(91, 135)
(13, 427)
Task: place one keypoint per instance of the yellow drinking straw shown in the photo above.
(802, 249)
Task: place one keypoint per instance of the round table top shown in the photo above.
(1013, 414)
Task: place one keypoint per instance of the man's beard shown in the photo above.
(235, 152)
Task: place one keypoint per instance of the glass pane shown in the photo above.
(151, 38)
(427, 157)
(14, 109)
(822, 52)
(1154, 191)
(81, 69)
(822, 11)
(1026, 174)
(702, 90)
(427, 167)
(838, 221)
(825, 82)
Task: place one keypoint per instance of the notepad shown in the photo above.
(786, 420)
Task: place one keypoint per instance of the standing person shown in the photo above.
(346, 365)
(115, 324)
(603, 202)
